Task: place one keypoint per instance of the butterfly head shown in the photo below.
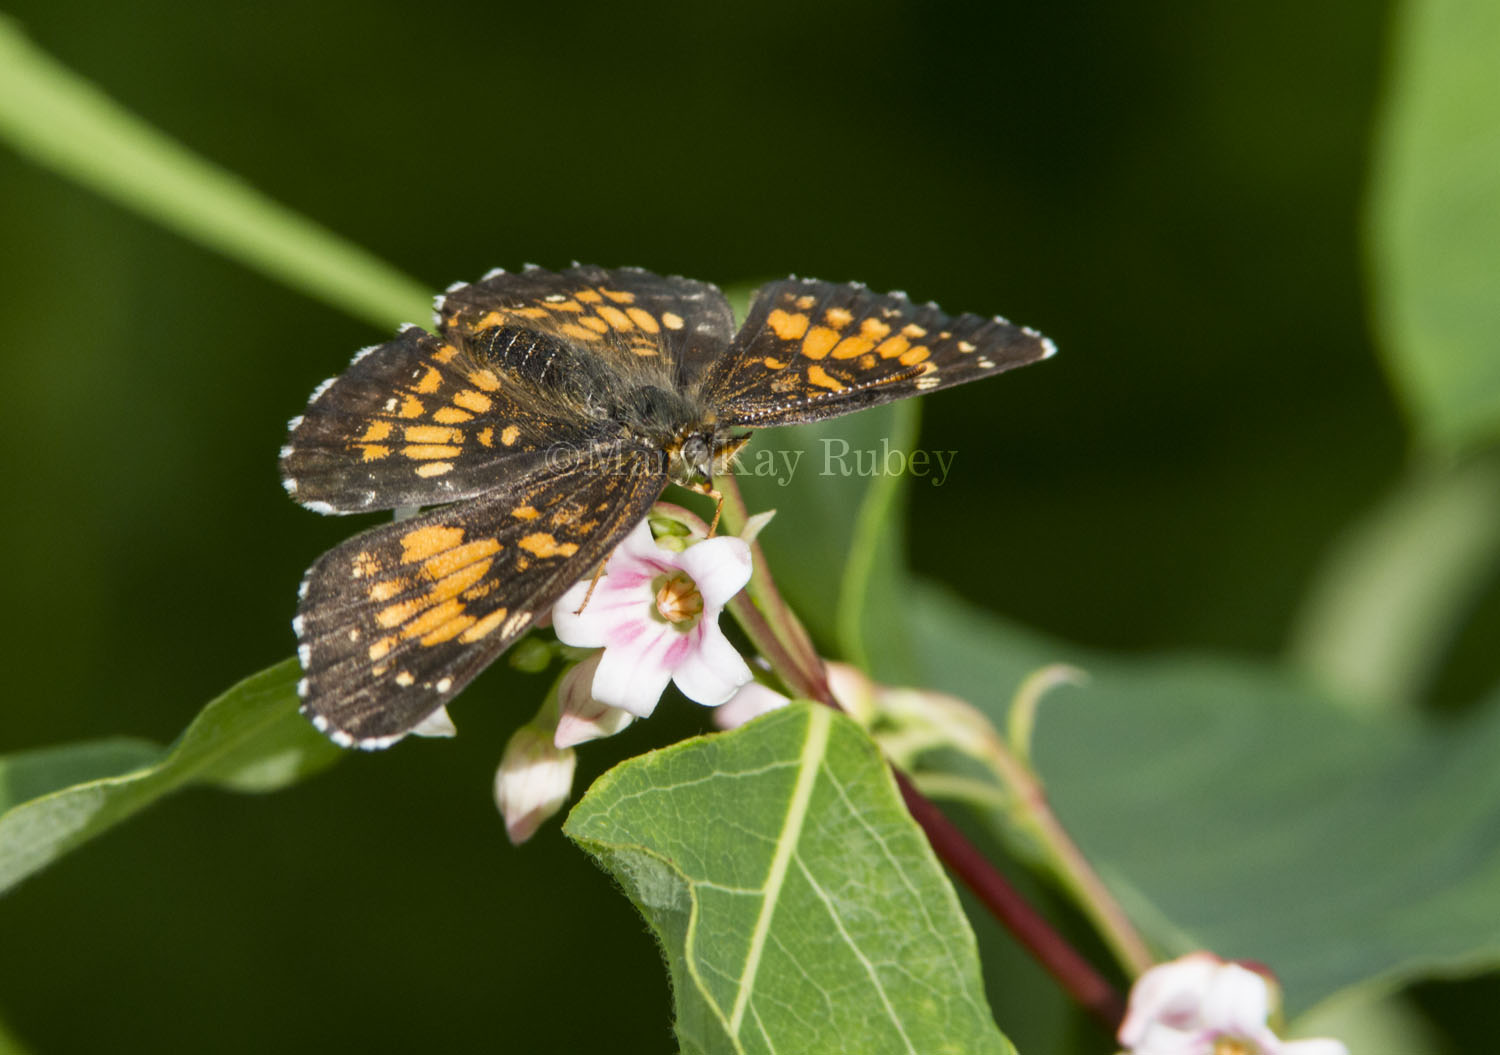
(703, 453)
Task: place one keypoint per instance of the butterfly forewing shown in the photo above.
(635, 323)
(419, 420)
(398, 619)
(811, 350)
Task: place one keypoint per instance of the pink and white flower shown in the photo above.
(582, 718)
(751, 701)
(1200, 1005)
(534, 780)
(656, 614)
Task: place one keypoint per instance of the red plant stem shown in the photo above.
(1075, 974)
(782, 640)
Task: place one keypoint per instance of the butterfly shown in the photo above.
(541, 421)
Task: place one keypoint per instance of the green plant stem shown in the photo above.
(1034, 814)
(774, 628)
(61, 121)
(790, 635)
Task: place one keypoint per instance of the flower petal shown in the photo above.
(436, 724)
(1314, 1046)
(752, 701)
(582, 717)
(1169, 993)
(639, 547)
(533, 781)
(712, 670)
(632, 676)
(719, 566)
(1237, 1001)
(610, 608)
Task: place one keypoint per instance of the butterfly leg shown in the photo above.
(598, 574)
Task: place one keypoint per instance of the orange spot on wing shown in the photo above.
(397, 614)
(458, 582)
(615, 317)
(543, 544)
(820, 340)
(644, 319)
(594, 323)
(524, 513)
(487, 437)
(510, 435)
(471, 554)
(430, 382)
(411, 407)
(445, 354)
(381, 648)
(478, 402)
(373, 452)
(818, 376)
(874, 329)
(530, 313)
(620, 296)
(429, 541)
(785, 326)
(485, 379)
(385, 590)
(377, 431)
(589, 296)
(485, 626)
(432, 434)
(448, 631)
(806, 301)
(489, 319)
(451, 416)
(671, 320)
(838, 318)
(427, 469)
(913, 330)
(425, 451)
(852, 347)
(773, 364)
(566, 305)
(914, 355)
(433, 618)
(892, 347)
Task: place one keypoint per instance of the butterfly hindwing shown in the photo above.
(811, 350)
(396, 620)
(417, 421)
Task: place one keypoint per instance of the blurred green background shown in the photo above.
(1170, 191)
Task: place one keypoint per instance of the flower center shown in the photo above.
(1234, 1046)
(678, 600)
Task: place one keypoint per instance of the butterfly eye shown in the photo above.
(697, 458)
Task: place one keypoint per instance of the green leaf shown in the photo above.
(1435, 219)
(249, 739)
(798, 906)
(1230, 807)
(60, 120)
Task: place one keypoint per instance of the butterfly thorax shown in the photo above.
(676, 424)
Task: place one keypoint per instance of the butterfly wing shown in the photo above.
(420, 420)
(811, 350)
(395, 621)
(639, 324)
